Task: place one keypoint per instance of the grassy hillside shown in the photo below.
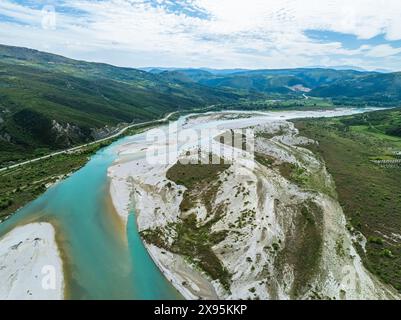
(269, 81)
(385, 88)
(50, 102)
(369, 194)
(345, 87)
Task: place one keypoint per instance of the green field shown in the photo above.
(279, 103)
(369, 194)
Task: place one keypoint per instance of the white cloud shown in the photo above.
(236, 33)
(382, 51)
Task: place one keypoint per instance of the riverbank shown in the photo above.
(22, 184)
(31, 267)
(244, 255)
(130, 197)
(369, 193)
(99, 262)
(130, 175)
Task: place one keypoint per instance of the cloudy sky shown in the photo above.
(210, 33)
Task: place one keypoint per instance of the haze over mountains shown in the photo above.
(50, 102)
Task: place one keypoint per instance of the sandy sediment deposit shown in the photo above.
(30, 264)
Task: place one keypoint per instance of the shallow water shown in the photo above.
(100, 262)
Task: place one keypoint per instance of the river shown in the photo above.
(100, 262)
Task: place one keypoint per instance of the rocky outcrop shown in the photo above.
(68, 134)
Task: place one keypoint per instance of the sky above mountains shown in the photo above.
(210, 33)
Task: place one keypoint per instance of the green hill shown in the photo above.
(367, 87)
(343, 86)
(368, 192)
(268, 81)
(50, 102)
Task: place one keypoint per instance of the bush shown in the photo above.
(376, 240)
(5, 203)
(387, 253)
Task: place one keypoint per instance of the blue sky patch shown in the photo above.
(180, 7)
(348, 41)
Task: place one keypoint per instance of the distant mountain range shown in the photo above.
(340, 85)
(231, 71)
(158, 70)
(348, 67)
(49, 101)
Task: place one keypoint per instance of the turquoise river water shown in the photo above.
(100, 260)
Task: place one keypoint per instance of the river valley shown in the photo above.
(96, 227)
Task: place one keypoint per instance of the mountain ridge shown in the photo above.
(50, 102)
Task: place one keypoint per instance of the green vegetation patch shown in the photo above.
(303, 246)
(192, 239)
(293, 173)
(201, 181)
(370, 195)
(279, 102)
(264, 160)
(20, 185)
